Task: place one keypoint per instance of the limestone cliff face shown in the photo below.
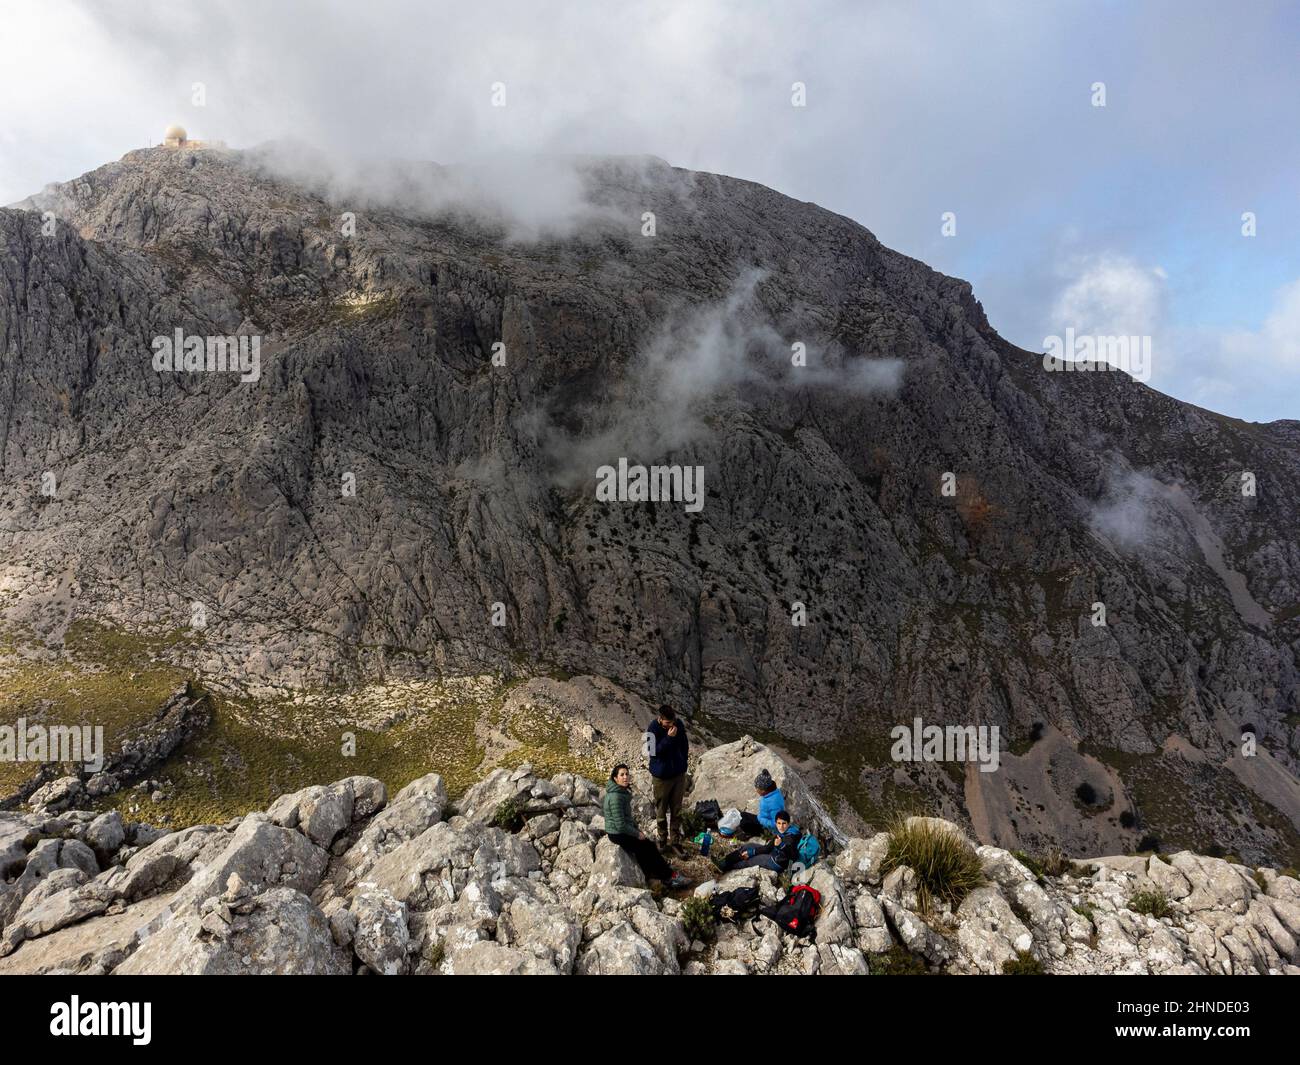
(475, 482)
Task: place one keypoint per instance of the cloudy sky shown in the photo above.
(1125, 218)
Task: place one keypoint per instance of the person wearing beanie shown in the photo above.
(770, 803)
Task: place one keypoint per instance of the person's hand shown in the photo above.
(672, 729)
(640, 835)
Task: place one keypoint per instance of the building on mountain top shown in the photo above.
(176, 137)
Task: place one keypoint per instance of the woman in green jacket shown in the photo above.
(620, 826)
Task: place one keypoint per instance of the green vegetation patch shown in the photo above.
(1024, 964)
(256, 750)
(1150, 903)
(107, 677)
(897, 961)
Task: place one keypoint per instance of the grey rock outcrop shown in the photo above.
(431, 896)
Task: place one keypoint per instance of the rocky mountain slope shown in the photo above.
(341, 879)
(475, 485)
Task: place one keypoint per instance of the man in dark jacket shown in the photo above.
(668, 747)
(778, 855)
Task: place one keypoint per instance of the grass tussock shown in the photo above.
(1051, 862)
(946, 866)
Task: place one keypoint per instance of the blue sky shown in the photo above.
(1117, 219)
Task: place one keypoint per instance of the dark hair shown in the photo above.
(781, 815)
(614, 772)
(667, 712)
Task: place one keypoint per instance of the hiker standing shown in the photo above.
(668, 747)
(620, 826)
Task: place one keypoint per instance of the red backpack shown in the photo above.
(797, 912)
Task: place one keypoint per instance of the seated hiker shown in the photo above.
(777, 855)
(620, 826)
(770, 800)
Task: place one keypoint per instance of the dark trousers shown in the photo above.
(751, 857)
(652, 863)
(668, 795)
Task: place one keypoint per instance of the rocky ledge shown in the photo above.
(342, 879)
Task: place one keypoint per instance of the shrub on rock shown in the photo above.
(1151, 903)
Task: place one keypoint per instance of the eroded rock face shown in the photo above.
(424, 895)
(57, 795)
(262, 854)
(437, 865)
(381, 937)
(278, 932)
(614, 867)
(105, 836)
(620, 952)
(63, 898)
(416, 808)
(376, 359)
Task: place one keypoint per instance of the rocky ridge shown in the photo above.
(344, 879)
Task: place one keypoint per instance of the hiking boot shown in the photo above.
(678, 882)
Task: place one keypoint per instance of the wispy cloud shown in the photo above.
(699, 360)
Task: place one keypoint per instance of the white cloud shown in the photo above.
(1111, 295)
(1230, 368)
(1277, 343)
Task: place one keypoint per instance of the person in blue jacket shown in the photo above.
(770, 803)
(668, 748)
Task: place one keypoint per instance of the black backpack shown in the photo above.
(709, 812)
(735, 904)
(797, 912)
